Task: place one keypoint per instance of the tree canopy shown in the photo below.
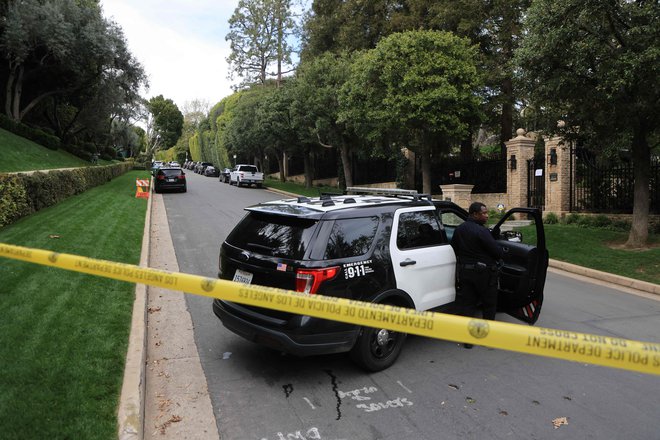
(259, 32)
(66, 68)
(419, 88)
(595, 65)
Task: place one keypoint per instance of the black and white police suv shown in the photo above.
(390, 247)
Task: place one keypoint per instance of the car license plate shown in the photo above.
(242, 276)
(171, 180)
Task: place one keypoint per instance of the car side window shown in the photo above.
(351, 237)
(418, 229)
(450, 220)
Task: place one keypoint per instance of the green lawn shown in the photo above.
(600, 249)
(20, 154)
(64, 335)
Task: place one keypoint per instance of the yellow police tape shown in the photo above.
(625, 354)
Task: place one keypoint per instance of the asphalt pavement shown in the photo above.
(165, 394)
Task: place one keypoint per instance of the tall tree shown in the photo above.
(164, 125)
(258, 36)
(316, 105)
(417, 87)
(597, 63)
(66, 49)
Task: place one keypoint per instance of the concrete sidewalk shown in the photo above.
(165, 394)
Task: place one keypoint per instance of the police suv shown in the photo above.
(385, 246)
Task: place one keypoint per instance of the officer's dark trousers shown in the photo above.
(477, 286)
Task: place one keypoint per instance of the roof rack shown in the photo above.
(381, 191)
(392, 192)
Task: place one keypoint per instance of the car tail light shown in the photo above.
(181, 177)
(309, 280)
(160, 177)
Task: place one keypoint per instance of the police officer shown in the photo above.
(477, 259)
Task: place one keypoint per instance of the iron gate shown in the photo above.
(536, 184)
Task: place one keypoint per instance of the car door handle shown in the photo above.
(407, 262)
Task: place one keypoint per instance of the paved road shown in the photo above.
(436, 389)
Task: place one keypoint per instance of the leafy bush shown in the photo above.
(13, 199)
(551, 219)
(572, 218)
(23, 194)
(621, 225)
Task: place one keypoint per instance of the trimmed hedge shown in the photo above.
(23, 194)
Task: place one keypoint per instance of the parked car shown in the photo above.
(211, 171)
(201, 166)
(246, 175)
(170, 179)
(224, 175)
(175, 164)
(155, 165)
(390, 248)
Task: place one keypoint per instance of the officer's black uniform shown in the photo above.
(478, 254)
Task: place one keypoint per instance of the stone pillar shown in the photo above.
(557, 176)
(518, 150)
(458, 193)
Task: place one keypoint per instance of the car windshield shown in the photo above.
(273, 235)
(169, 172)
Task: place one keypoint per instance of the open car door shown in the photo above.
(522, 277)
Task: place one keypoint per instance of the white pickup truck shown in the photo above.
(246, 175)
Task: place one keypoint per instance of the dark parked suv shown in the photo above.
(391, 249)
(171, 179)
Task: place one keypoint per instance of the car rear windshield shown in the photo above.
(249, 169)
(274, 235)
(170, 173)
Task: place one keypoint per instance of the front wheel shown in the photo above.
(377, 348)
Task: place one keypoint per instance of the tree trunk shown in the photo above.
(9, 91)
(309, 169)
(506, 119)
(346, 164)
(18, 91)
(639, 230)
(280, 163)
(467, 147)
(426, 171)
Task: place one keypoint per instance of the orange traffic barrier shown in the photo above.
(142, 188)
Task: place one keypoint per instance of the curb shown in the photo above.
(130, 415)
(607, 277)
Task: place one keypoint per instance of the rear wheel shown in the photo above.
(377, 348)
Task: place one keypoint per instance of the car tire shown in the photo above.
(377, 349)
(258, 185)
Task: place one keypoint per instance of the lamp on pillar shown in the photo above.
(513, 163)
(552, 157)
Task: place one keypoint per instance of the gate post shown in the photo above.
(518, 151)
(557, 176)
